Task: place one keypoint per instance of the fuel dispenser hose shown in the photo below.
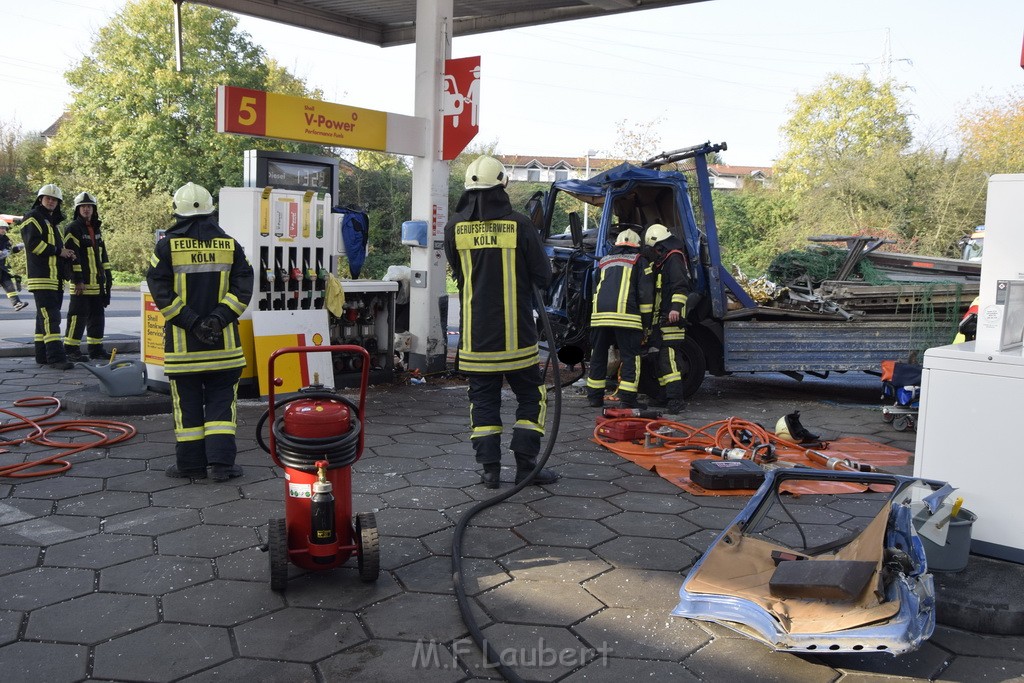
(301, 453)
(491, 657)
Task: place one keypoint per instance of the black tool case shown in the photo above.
(717, 475)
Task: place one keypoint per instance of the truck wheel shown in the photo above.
(696, 367)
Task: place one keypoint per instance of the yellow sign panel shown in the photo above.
(254, 112)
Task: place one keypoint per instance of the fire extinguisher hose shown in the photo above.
(301, 453)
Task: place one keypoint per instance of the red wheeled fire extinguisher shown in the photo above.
(316, 438)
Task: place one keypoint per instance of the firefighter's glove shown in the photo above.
(209, 330)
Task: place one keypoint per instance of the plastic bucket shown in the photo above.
(953, 556)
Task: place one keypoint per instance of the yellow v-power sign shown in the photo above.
(263, 114)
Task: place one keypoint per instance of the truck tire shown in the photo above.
(696, 367)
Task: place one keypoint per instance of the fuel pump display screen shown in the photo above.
(287, 171)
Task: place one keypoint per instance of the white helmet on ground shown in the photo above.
(628, 238)
(485, 172)
(50, 190)
(656, 233)
(192, 200)
(84, 198)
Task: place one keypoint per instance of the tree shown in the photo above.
(381, 186)
(992, 134)
(639, 141)
(844, 119)
(16, 151)
(751, 225)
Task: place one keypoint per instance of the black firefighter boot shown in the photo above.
(491, 477)
(96, 352)
(526, 464)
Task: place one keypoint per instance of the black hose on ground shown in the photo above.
(491, 657)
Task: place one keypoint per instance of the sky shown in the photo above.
(723, 70)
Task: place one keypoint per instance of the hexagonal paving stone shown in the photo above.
(155, 575)
(390, 660)
(340, 589)
(104, 467)
(413, 616)
(268, 489)
(643, 634)
(573, 533)
(612, 669)
(650, 524)
(10, 624)
(194, 496)
(557, 603)
(647, 553)
(208, 540)
(434, 575)
(152, 521)
(377, 483)
(14, 558)
(383, 465)
(407, 450)
(574, 507)
(635, 501)
(447, 478)
(553, 563)
(245, 512)
(749, 660)
(476, 542)
(165, 652)
(240, 669)
(501, 516)
(57, 488)
(220, 603)
(536, 653)
(647, 482)
(44, 662)
(576, 470)
(586, 488)
(710, 517)
(637, 589)
(249, 564)
(103, 503)
(15, 510)
(147, 482)
(396, 551)
(425, 498)
(92, 618)
(99, 551)
(410, 523)
(421, 438)
(50, 529)
(41, 586)
(297, 634)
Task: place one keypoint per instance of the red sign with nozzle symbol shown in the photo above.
(460, 104)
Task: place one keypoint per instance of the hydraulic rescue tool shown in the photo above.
(316, 438)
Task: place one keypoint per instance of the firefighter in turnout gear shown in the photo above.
(623, 305)
(672, 287)
(48, 263)
(496, 258)
(201, 281)
(10, 282)
(91, 280)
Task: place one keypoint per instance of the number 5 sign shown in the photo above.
(253, 112)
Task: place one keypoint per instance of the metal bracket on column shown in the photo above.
(419, 278)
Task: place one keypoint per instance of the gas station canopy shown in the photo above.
(393, 22)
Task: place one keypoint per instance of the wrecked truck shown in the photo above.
(834, 326)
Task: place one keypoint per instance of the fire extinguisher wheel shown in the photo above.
(369, 546)
(277, 539)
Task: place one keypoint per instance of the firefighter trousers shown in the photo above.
(204, 417)
(485, 413)
(86, 316)
(628, 341)
(49, 348)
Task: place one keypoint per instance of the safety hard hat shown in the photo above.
(84, 198)
(627, 238)
(656, 233)
(50, 190)
(789, 428)
(485, 172)
(192, 200)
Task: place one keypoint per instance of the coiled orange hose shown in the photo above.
(42, 430)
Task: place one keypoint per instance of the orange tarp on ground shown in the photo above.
(674, 465)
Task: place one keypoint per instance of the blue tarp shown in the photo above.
(355, 235)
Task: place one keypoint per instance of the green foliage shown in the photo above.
(752, 223)
(846, 118)
(381, 186)
(137, 126)
(130, 232)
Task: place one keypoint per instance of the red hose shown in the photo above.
(42, 430)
